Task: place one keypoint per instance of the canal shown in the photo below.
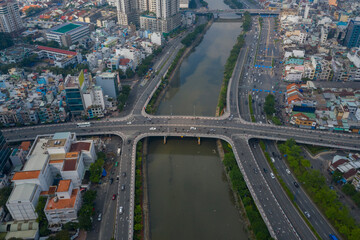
(189, 196)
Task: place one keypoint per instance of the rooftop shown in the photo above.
(26, 175)
(25, 145)
(38, 156)
(80, 146)
(72, 155)
(70, 165)
(64, 186)
(56, 143)
(56, 203)
(57, 50)
(61, 135)
(66, 28)
(22, 192)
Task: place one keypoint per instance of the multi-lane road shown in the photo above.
(283, 221)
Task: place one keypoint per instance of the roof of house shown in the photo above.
(26, 175)
(56, 161)
(349, 173)
(72, 155)
(57, 50)
(339, 162)
(124, 61)
(80, 146)
(64, 185)
(25, 145)
(56, 203)
(69, 165)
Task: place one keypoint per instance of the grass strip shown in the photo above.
(286, 188)
(258, 226)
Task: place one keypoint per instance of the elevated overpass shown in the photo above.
(251, 11)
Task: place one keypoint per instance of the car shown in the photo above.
(114, 197)
(192, 128)
(124, 174)
(296, 184)
(272, 175)
(111, 180)
(265, 170)
(287, 171)
(272, 159)
(128, 123)
(152, 128)
(121, 210)
(123, 187)
(99, 217)
(255, 171)
(307, 214)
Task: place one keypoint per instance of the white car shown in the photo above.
(287, 171)
(153, 128)
(272, 175)
(121, 210)
(192, 128)
(128, 123)
(272, 159)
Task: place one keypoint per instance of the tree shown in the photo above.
(337, 176)
(129, 73)
(4, 195)
(42, 220)
(62, 235)
(71, 226)
(5, 40)
(89, 197)
(349, 189)
(269, 105)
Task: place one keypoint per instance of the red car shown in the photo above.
(114, 197)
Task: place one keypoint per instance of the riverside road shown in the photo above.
(281, 222)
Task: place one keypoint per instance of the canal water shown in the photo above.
(189, 196)
(196, 86)
(188, 192)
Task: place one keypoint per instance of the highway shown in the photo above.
(282, 221)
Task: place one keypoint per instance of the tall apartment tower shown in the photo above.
(161, 15)
(10, 21)
(127, 12)
(307, 9)
(352, 38)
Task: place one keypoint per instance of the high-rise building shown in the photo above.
(4, 154)
(155, 15)
(352, 38)
(10, 21)
(164, 18)
(127, 12)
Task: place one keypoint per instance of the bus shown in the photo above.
(333, 237)
(83, 124)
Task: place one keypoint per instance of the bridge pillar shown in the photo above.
(198, 140)
(164, 139)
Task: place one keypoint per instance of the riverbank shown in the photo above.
(255, 223)
(238, 202)
(158, 95)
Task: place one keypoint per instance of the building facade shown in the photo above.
(10, 21)
(352, 38)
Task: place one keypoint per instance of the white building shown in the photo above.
(49, 158)
(130, 53)
(10, 20)
(63, 207)
(23, 200)
(156, 38)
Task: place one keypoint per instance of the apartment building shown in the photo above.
(62, 207)
(10, 20)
